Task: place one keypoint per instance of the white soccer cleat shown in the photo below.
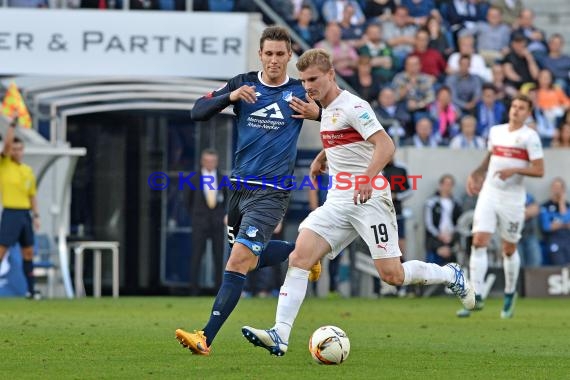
(461, 287)
(268, 339)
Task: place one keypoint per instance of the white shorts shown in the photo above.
(507, 211)
(339, 222)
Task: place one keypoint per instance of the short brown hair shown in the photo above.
(275, 33)
(447, 176)
(523, 98)
(315, 57)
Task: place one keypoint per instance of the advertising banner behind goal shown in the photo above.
(94, 42)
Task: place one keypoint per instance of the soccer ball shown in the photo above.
(329, 345)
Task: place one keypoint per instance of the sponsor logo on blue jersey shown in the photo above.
(272, 111)
(251, 231)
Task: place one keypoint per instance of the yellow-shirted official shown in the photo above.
(20, 210)
(17, 184)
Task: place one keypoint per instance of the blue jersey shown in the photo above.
(549, 213)
(267, 134)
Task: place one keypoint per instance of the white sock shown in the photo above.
(418, 272)
(512, 267)
(291, 297)
(478, 268)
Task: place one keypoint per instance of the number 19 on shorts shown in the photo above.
(380, 233)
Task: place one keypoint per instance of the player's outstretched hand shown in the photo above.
(305, 110)
(474, 184)
(245, 93)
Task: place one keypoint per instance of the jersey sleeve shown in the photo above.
(363, 119)
(534, 147)
(215, 101)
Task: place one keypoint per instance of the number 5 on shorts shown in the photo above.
(231, 236)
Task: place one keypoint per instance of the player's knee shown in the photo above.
(392, 277)
(480, 241)
(241, 260)
(299, 260)
(509, 248)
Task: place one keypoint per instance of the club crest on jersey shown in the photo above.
(251, 231)
(287, 96)
(272, 111)
(335, 117)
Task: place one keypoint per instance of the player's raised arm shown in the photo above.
(9, 137)
(216, 101)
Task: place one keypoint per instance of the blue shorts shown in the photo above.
(253, 215)
(16, 227)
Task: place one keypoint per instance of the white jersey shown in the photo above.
(510, 149)
(345, 125)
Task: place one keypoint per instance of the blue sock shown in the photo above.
(225, 302)
(28, 267)
(275, 253)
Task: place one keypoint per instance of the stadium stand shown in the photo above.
(57, 100)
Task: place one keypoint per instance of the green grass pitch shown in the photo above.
(133, 338)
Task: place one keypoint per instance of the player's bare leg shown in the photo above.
(511, 266)
(309, 248)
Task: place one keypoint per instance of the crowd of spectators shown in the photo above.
(453, 63)
(437, 72)
(444, 59)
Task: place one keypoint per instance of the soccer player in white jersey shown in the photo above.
(514, 151)
(355, 145)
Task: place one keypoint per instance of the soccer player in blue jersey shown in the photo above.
(270, 108)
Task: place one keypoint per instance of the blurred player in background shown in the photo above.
(269, 109)
(354, 143)
(514, 151)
